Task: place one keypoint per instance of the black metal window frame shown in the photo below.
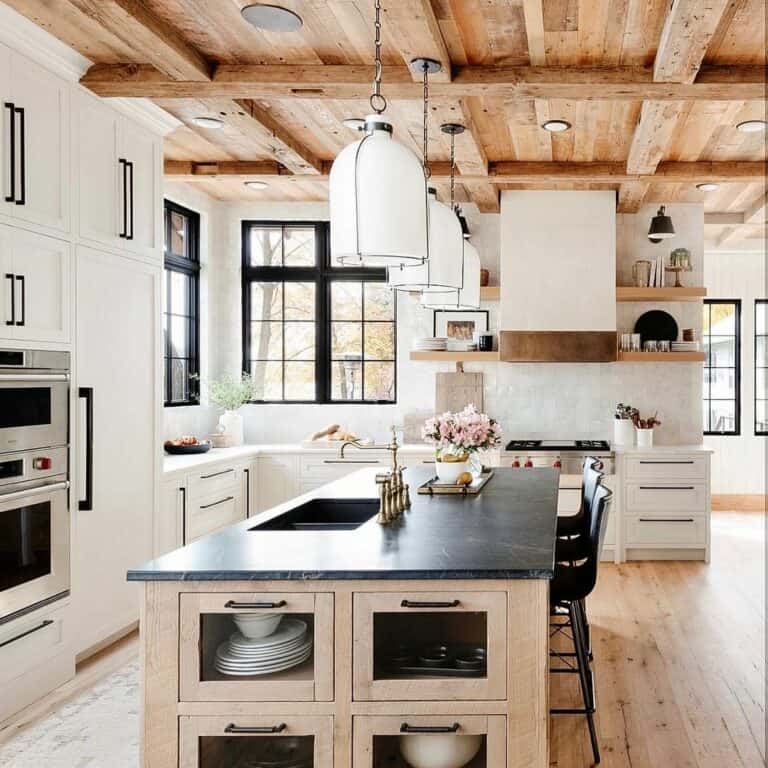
(759, 335)
(323, 275)
(736, 431)
(190, 267)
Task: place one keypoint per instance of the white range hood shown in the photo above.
(558, 276)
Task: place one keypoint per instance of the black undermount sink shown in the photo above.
(323, 515)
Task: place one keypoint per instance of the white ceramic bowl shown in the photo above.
(439, 750)
(255, 625)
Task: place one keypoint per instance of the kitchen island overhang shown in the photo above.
(466, 570)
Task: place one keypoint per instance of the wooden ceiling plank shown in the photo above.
(533, 13)
(754, 215)
(631, 196)
(157, 42)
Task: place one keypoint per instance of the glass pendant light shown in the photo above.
(468, 294)
(661, 226)
(442, 271)
(378, 192)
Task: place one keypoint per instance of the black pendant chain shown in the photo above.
(377, 101)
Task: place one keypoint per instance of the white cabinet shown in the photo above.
(35, 295)
(278, 480)
(118, 363)
(119, 180)
(34, 146)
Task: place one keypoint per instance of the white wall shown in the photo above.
(546, 400)
(739, 462)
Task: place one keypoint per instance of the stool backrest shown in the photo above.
(590, 480)
(601, 508)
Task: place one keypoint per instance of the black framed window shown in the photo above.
(181, 303)
(761, 366)
(722, 367)
(312, 331)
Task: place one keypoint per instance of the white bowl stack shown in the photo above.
(430, 344)
(265, 646)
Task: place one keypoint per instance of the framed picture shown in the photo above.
(460, 326)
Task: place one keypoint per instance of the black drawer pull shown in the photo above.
(216, 474)
(232, 728)
(405, 728)
(428, 604)
(666, 519)
(236, 604)
(10, 277)
(11, 107)
(348, 461)
(667, 488)
(686, 461)
(46, 623)
(216, 503)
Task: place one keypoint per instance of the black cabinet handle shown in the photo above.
(405, 728)
(183, 491)
(648, 461)
(10, 277)
(11, 107)
(129, 229)
(428, 604)
(247, 473)
(124, 165)
(22, 157)
(666, 488)
(216, 503)
(236, 604)
(20, 281)
(87, 394)
(232, 728)
(348, 461)
(43, 625)
(665, 519)
(216, 474)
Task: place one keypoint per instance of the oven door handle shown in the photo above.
(61, 485)
(86, 504)
(22, 376)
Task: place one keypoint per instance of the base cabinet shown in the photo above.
(244, 740)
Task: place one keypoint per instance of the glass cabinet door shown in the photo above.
(430, 646)
(256, 646)
(472, 741)
(240, 741)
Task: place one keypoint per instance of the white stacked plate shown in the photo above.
(430, 344)
(287, 647)
(685, 346)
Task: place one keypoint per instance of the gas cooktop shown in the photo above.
(558, 445)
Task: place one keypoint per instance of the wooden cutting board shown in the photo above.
(455, 391)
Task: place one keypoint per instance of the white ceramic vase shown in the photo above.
(449, 471)
(623, 432)
(644, 438)
(231, 425)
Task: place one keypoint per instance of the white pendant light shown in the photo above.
(378, 193)
(468, 296)
(441, 272)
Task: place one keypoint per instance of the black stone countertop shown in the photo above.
(507, 531)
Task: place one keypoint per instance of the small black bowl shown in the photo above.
(180, 450)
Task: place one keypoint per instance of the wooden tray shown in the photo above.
(434, 486)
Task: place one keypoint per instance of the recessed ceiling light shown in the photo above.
(256, 184)
(355, 123)
(708, 186)
(208, 122)
(752, 126)
(272, 18)
(556, 126)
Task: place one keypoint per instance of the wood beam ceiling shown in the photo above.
(341, 81)
(755, 215)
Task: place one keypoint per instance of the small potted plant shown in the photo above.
(456, 436)
(231, 393)
(644, 429)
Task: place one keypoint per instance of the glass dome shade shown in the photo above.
(468, 296)
(442, 272)
(378, 201)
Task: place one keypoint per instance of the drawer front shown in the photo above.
(217, 511)
(215, 742)
(329, 467)
(655, 531)
(208, 622)
(666, 468)
(427, 625)
(383, 740)
(666, 497)
(214, 480)
(27, 642)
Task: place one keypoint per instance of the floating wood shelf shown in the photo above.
(633, 293)
(490, 292)
(661, 357)
(456, 357)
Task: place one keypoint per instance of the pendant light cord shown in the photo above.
(427, 172)
(453, 170)
(377, 101)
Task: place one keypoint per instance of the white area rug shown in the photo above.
(97, 729)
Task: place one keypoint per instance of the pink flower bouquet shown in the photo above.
(459, 434)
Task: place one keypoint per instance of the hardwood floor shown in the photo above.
(679, 661)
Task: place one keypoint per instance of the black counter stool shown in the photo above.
(578, 524)
(571, 584)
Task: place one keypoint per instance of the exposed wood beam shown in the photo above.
(533, 13)
(631, 196)
(416, 32)
(498, 172)
(340, 81)
(755, 215)
(159, 43)
(723, 219)
(654, 131)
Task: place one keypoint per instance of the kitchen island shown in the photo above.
(438, 621)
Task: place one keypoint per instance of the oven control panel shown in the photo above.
(26, 466)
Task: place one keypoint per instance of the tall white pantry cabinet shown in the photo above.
(81, 233)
